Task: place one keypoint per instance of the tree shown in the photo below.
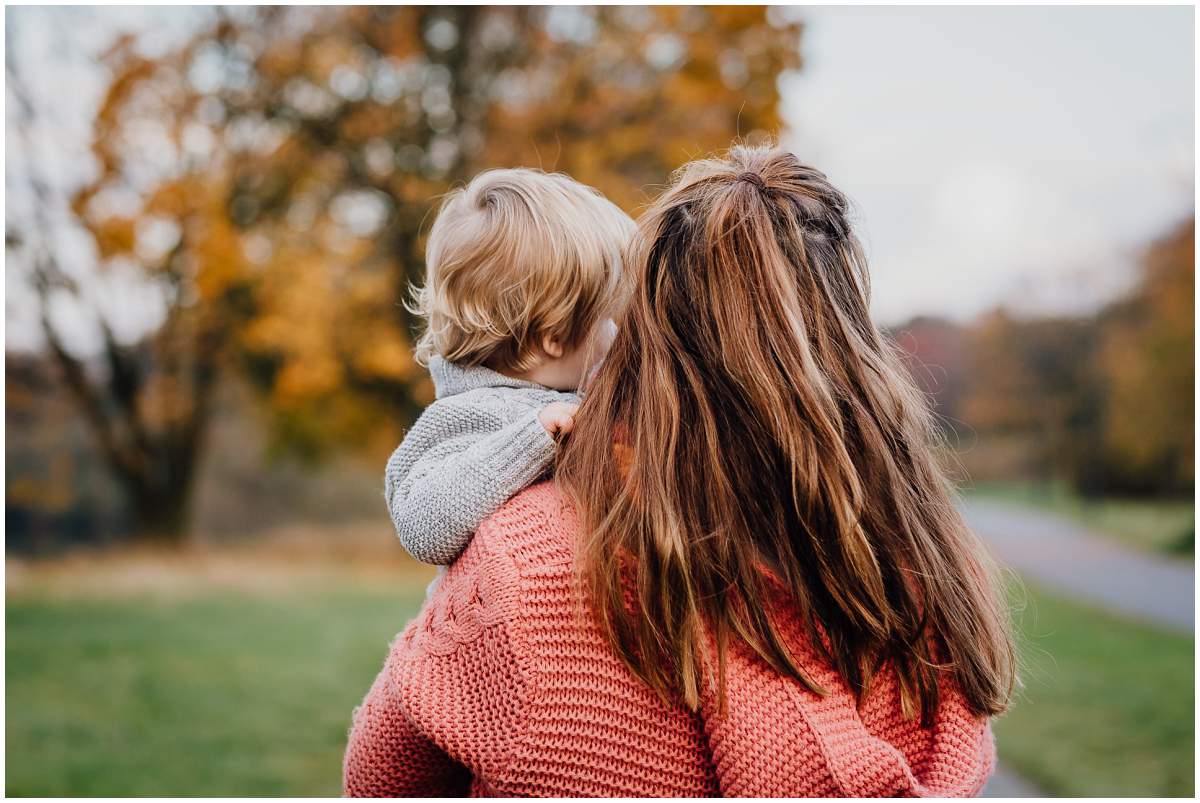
(270, 179)
(1146, 361)
(147, 404)
(1032, 393)
(1104, 402)
(934, 350)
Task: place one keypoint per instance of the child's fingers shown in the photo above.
(558, 418)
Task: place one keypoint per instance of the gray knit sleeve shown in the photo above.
(456, 467)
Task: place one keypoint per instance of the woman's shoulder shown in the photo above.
(536, 529)
(518, 565)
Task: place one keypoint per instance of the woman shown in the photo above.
(778, 595)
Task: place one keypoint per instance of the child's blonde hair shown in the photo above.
(515, 256)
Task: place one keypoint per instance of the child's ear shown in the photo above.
(552, 347)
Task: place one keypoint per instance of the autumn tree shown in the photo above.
(1031, 392)
(1103, 402)
(1146, 364)
(270, 179)
(146, 403)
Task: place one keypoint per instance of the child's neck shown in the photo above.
(550, 373)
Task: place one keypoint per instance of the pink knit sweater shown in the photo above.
(499, 687)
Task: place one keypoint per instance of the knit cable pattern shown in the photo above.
(501, 687)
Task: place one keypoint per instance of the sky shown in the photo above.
(1014, 155)
(995, 155)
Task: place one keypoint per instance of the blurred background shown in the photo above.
(211, 218)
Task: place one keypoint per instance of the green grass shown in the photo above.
(1158, 525)
(1107, 708)
(220, 693)
(214, 695)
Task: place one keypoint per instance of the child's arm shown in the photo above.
(441, 486)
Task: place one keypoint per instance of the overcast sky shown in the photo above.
(1018, 155)
(1011, 155)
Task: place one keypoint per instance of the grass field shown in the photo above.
(1107, 708)
(1159, 525)
(134, 683)
(236, 694)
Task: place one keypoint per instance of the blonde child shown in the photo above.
(522, 273)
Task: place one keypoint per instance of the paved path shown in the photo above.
(1065, 557)
(1005, 783)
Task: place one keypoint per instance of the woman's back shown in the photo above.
(503, 686)
(767, 432)
(760, 586)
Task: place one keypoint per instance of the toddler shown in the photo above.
(522, 275)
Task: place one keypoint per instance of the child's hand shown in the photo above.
(558, 418)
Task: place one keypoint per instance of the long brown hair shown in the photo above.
(750, 423)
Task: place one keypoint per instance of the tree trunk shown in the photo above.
(160, 514)
(161, 521)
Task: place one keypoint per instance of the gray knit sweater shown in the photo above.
(479, 443)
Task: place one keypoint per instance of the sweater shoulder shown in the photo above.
(481, 406)
(499, 398)
(471, 414)
(515, 573)
(536, 530)
(528, 541)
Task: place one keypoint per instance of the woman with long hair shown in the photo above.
(749, 577)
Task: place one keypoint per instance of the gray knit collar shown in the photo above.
(451, 378)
